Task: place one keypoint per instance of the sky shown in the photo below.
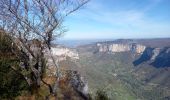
(115, 19)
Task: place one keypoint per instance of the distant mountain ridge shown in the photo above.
(155, 51)
(121, 47)
(140, 67)
(155, 42)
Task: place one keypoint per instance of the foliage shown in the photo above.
(101, 95)
(120, 79)
(11, 83)
(32, 25)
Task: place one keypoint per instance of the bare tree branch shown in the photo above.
(33, 24)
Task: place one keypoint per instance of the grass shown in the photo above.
(99, 72)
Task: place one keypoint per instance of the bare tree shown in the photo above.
(33, 24)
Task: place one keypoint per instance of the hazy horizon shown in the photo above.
(78, 42)
(84, 39)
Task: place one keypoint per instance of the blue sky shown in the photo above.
(112, 19)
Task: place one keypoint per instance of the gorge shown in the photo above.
(126, 65)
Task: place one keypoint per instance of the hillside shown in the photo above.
(14, 86)
(122, 71)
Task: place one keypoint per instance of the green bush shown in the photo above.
(11, 82)
(101, 95)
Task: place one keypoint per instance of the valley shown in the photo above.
(111, 67)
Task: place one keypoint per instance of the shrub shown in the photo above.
(11, 83)
(101, 95)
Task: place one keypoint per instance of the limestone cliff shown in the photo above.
(74, 79)
(63, 52)
(119, 47)
(59, 54)
(158, 57)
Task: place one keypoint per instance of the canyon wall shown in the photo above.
(117, 47)
(62, 53)
(59, 54)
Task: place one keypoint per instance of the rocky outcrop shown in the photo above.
(158, 57)
(155, 53)
(146, 56)
(118, 47)
(155, 56)
(78, 83)
(162, 58)
(62, 53)
(74, 79)
(138, 48)
(59, 54)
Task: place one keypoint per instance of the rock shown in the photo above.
(155, 52)
(63, 52)
(162, 58)
(119, 47)
(158, 57)
(59, 54)
(138, 48)
(78, 83)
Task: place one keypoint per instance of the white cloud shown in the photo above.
(131, 20)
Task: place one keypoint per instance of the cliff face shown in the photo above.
(59, 54)
(155, 53)
(158, 57)
(117, 47)
(62, 53)
(73, 78)
(162, 59)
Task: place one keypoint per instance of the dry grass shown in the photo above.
(64, 92)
